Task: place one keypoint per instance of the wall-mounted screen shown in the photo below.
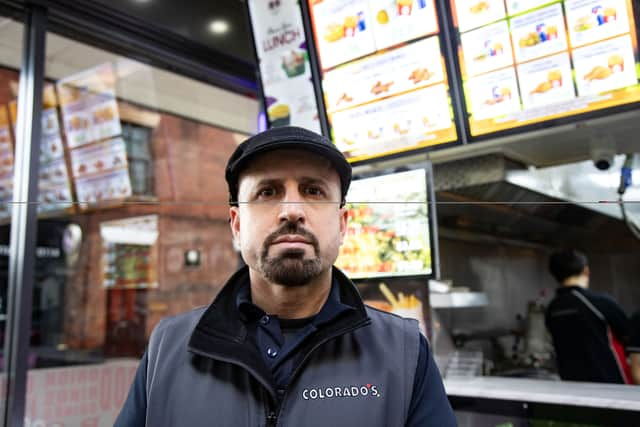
(383, 75)
(525, 62)
(389, 232)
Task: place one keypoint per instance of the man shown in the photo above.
(287, 341)
(587, 328)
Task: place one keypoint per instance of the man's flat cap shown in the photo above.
(285, 137)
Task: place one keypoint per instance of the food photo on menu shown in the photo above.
(494, 94)
(396, 21)
(343, 29)
(518, 6)
(546, 81)
(472, 14)
(539, 33)
(594, 20)
(605, 66)
(486, 49)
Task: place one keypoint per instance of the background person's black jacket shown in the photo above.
(588, 331)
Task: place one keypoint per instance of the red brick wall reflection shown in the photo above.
(189, 160)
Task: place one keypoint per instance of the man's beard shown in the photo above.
(289, 268)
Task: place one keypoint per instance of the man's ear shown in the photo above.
(234, 222)
(344, 220)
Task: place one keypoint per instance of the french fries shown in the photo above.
(402, 301)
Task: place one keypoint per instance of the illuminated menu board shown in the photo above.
(285, 71)
(525, 62)
(383, 75)
(388, 230)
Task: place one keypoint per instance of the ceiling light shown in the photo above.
(219, 26)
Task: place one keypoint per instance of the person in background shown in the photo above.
(633, 347)
(288, 340)
(588, 328)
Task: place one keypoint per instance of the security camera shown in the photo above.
(602, 157)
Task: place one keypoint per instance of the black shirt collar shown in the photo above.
(331, 309)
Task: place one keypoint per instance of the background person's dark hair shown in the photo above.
(567, 263)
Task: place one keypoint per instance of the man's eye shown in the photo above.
(266, 192)
(314, 191)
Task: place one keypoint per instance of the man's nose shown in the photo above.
(292, 208)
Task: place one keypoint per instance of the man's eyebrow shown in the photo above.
(267, 181)
(313, 180)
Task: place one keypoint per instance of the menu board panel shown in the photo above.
(515, 7)
(546, 81)
(494, 94)
(487, 49)
(104, 187)
(343, 30)
(384, 83)
(475, 13)
(595, 20)
(101, 172)
(284, 63)
(605, 66)
(394, 123)
(54, 185)
(412, 67)
(402, 20)
(556, 70)
(6, 144)
(51, 147)
(88, 105)
(388, 230)
(92, 125)
(6, 165)
(54, 189)
(539, 33)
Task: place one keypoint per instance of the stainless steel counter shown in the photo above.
(605, 396)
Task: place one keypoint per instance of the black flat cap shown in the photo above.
(284, 137)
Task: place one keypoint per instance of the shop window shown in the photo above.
(131, 178)
(138, 142)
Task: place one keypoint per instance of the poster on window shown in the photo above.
(284, 63)
(88, 105)
(101, 172)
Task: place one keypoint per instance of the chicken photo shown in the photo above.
(419, 75)
(479, 7)
(380, 87)
(343, 98)
(598, 73)
(542, 88)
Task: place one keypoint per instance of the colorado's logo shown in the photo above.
(368, 390)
